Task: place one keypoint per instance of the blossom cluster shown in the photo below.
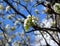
(29, 21)
(56, 8)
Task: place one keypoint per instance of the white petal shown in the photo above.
(8, 8)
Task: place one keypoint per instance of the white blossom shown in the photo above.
(16, 22)
(26, 21)
(1, 7)
(29, 16)
(29, 21)
(33, 20)
(6, 44)
(56, 8)
(7, 26)
(9, 40)
(8, 8)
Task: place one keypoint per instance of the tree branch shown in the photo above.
(42, 3)
(24, 7)
(52, 38)
(44, 38)
(5, 36)
(36, 27)
(14, 9)
(43, 29)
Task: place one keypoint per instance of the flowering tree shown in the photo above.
(19, 18)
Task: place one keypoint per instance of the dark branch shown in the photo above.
(50, 29)
(44, 39)
(4, 35)
(14, 9)
(52, 11)
(43, 29)
(52, 38)
(24, 7)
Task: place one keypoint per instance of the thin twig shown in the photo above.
(14, 9)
